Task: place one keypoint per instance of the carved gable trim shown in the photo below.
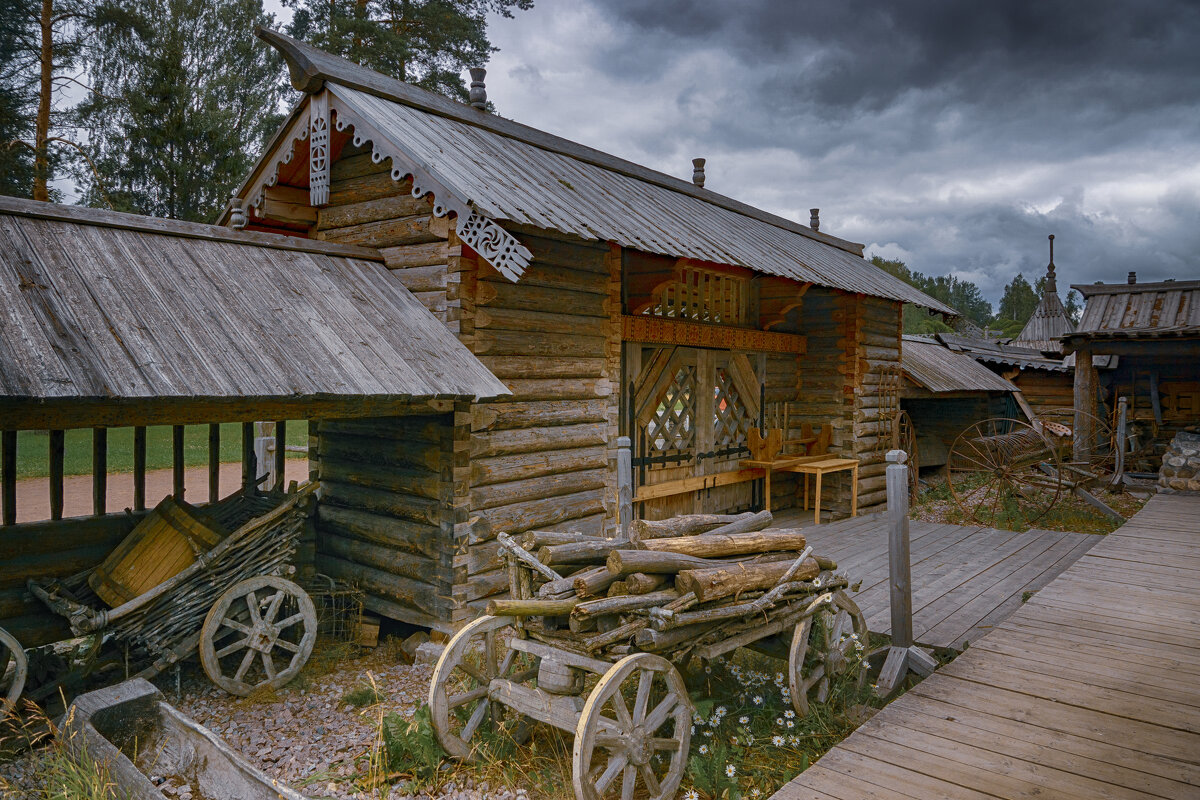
(297, 131)
(494, 245)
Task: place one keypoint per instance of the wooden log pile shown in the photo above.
(675, 585)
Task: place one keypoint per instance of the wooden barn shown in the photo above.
(944, 392)
(610, 299)
(116, 321)
(1152, 331)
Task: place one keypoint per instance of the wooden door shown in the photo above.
(689, 412)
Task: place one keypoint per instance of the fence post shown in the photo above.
(1122, 408)
(264, 452)
(624, 485)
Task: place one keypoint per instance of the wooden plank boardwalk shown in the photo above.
(965, 579)
(1089, 690)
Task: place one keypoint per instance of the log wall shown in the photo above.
(1044, 390)
(386, 515)
(939, 420)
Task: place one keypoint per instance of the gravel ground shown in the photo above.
(304, 734)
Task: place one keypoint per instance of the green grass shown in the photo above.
(33, 448)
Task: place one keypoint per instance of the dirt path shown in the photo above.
(33, 494)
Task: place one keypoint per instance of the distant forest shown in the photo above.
(1016, 305)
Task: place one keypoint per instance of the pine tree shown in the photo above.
(16, 100)
(962, 296)
(425, 42)
(185, 97)
(1019, 301)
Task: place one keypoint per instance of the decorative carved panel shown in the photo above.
(657, 330)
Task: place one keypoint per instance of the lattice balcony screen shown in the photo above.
(731, 418)
(704, 296)
(672, 426)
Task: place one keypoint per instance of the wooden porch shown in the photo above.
(966, 580)
(1091, 689)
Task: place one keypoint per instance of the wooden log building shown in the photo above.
(1152, 332)
(610, 299)
(944, 392)
(114, 320)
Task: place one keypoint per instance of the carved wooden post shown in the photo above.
(1085, 405)
(903, 656)
(899, 567)
(624, 485)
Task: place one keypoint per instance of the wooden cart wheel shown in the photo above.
(1059, 426)
(646, 744)
(14, 666)
(826, 644)
(1004, 473)
(458, 692)
(249, 625)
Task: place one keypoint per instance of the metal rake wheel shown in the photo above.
(1004, 473)
(253, 623)
(634, 732)
(1059, 426)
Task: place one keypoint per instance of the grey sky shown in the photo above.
(953, 135)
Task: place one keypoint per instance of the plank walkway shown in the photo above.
(1089, 690)
(965, 579)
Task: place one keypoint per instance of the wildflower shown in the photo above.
(794, 740)
(697, 719)
(791, 724)
(778, 678)
(720, 711)
(730, 770)
(743, 720)
(703, 750)
(790, 714)
(779, 720)
(758, 699)
(755, 792)
(817, 582)
(707, 670)
(691, 795)
(707, 733)
(777, 740)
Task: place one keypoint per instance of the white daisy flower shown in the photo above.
(707, 733)
(779, 720)
(791, 724)
(794, 740)
(720, 711)
(703, 750)
(730, 770)
(758, 699)
(755, 792)
(743, 720)
(691, 795)
(777, 740)
(790, 714)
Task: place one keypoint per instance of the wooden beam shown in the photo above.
(214, 462)
(1085, 405)
(8, 477)
(56, 446)
(657, 330)
(280, 452)
(99, 470)
(695, 484)
(177, 461)
(139, 468)
(249, 464)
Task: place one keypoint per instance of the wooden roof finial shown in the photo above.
(1051, 284)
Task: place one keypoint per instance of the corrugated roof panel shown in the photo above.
(510, 179)
(939, 369)
(104, 305)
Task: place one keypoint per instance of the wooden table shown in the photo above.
(820, 466)
(782, 463)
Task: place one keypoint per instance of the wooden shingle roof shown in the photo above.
(935, 367)
(1139, 310)
(106, 306)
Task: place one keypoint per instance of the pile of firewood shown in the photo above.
(672, 585)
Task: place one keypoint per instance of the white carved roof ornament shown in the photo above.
(327, 111)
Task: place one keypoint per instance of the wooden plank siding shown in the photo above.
(1090, 689)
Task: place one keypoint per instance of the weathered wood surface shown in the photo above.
(1090, 689)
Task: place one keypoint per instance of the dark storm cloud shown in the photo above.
(953, 134)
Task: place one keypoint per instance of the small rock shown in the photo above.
(428, 653)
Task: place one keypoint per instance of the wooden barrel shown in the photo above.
(162, 545)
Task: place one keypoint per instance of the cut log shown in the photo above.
(708, 545)
(621, 605)
(685, 525)
(755, 522)
(627, 562)
(532, 540)
(529, 608)
(595, 552)
(594, 581)
(713, 584)
(641, 583)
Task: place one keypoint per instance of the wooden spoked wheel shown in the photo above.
(634, 731)
(1003, 473)
(13, 669)
(826, 645)
(458, 693)
(258, 635)
(904, 437)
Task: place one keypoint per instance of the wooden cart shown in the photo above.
(232, 604)
(628, 708)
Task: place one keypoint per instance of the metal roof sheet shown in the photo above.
(104, 305)
(994, 352)
(939, 369)
(1139, 310)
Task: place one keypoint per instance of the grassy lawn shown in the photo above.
(33, 448)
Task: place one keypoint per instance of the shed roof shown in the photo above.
(930, 364)
(110, 306)
(993, 352)
(1139, 310)
(507, 171)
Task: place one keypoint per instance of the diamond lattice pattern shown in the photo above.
(731, 419)
(672, 426)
